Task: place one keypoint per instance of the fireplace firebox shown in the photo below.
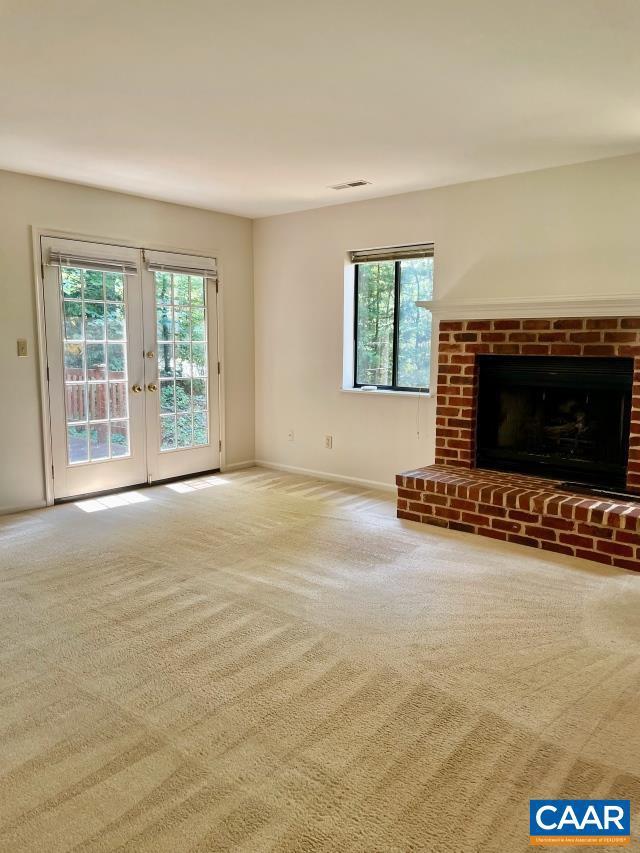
(560, 418)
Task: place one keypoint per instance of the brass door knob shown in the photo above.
(136, 389)
(152, 386)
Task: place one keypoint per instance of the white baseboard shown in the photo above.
(14, 510)
(325, 475)
(236, 466)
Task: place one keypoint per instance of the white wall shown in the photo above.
(26, 202)
(567, 231)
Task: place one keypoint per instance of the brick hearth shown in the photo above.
(527, 510)
(524, 510)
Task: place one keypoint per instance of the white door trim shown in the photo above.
(39, 232)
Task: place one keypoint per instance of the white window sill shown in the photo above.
(385, 392)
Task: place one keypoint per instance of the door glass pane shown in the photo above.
(167, 397)
(95, 334)
(120, 438)
(167, 432)
(114, 286)
(97, 392)
(115, 322)
(200, 428)
(77, 443)
(96, 361)
(182, 360)
(165, 360)
(99, 441)
(72, 320)
(94, 321)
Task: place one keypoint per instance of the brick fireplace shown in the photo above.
(512, 506)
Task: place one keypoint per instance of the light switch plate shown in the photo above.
(22, 348)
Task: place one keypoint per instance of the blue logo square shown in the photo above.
(577, 819)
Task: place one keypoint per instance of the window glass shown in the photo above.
(414, 324)
(375, 313)
(393, 335)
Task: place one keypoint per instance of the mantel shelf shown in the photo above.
(609, 305)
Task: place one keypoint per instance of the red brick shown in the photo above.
(599, 349)
(628, 536)
(436, 522)
(408, 516)
(554, 546)
(536, 324)
(594, 555)
(489, 509)
(577, 541)
(520, 515)
(564, 323)
(535, 349)
(450, 326)
(478, 348)
(630, 323)
(595, 530)
(621, 563)
(566, 349)
(559, 523)
(507, 324)
(410, 494)
(492, 534)
(523, 337)
(620, 337)
(539, 532)
(617, 548)
(462, 528)
(459, 503)
(602, 323)
(585, 337)
(474, 518)
(501, 524)
(523, 540)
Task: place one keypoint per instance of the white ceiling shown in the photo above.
(255, 106)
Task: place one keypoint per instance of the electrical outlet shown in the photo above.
(291, 435)
(328, 442)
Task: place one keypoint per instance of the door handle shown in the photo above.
(136, 389)
(152, 386)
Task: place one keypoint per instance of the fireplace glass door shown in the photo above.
(564, 418)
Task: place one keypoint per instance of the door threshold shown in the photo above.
(120, 489)
(166, 480)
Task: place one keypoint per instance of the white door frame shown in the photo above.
(37, 233)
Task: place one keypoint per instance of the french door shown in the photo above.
(132, 356)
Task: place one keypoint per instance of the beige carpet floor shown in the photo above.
(264, 662)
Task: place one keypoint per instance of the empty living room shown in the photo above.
(320, 426)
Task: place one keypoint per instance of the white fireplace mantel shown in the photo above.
(607, 305)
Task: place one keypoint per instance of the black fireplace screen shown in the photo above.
(555, 417)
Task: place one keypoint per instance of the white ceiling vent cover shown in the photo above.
(350, 184)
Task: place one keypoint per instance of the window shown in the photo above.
(392, 334)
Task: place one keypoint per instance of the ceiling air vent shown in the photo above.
(350, 185)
